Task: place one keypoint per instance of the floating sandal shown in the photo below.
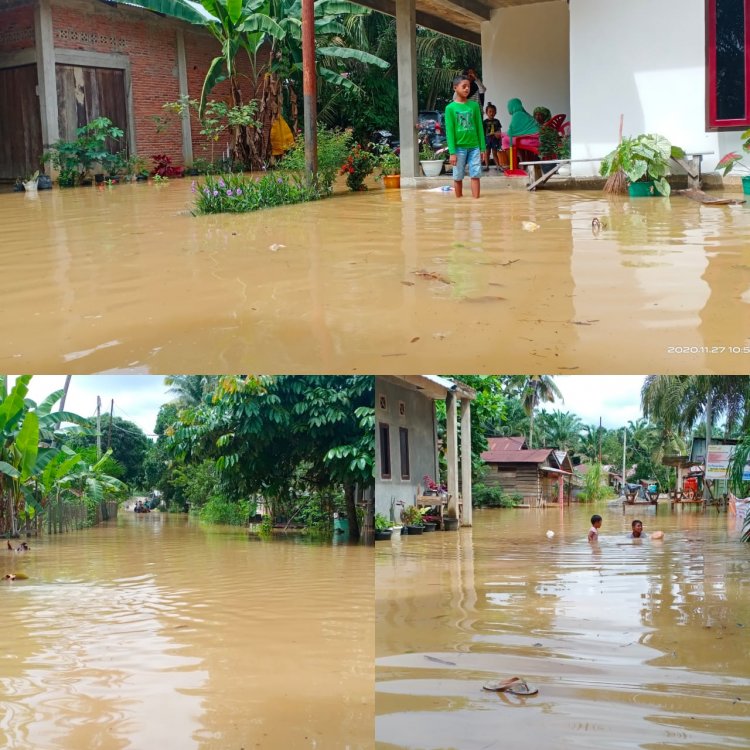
(500, 686)
(521, 688)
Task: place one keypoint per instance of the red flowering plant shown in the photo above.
(432, 486)
(358, 166)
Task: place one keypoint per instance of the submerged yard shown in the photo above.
(630, 643)
(126, 279)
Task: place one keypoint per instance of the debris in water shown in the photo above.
(440, 661)
(529, 226)
(414, 340)
(275, 247)
(484, 298)
(550, 534)
(432, 276)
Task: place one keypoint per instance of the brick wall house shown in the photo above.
(64, 62)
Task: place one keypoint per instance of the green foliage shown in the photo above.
(389, 163)
(333, 150)
(644, 157)
(220, 510)
(239, 193)
(731, 160)
(412, 516)
(427, 153)
(594, 485)
(381, 522)
(75, 159)
(493, 496)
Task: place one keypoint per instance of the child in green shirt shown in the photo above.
(464, 132)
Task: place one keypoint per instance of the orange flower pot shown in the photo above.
(391, 181)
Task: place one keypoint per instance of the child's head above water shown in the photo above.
(596, 521)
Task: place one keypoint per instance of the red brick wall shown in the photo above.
(151, 44)
(16, 29)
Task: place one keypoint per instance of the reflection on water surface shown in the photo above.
(159, 634)
(631, 644)
(126, 279)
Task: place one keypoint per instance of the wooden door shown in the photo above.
(83, 94)
(20, 123)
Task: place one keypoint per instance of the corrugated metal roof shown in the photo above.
(535, 456)
(506, 443)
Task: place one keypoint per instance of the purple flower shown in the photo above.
(239, 191)
(206, 191)
(216, 193)
(229, 193)
(221, 182)
(192, 187)
(279, 180)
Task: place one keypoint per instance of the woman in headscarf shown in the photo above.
(542, 115)
(521, 122)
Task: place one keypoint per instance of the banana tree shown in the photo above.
(27, 435)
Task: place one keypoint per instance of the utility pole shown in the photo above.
(98, 428)
(624, 451)
(600, 441)
(109, 436)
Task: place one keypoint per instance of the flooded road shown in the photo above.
(158, 634)
(631, 644)
(124, 279)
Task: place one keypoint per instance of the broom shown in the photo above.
(617, 183)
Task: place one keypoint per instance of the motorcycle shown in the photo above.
(385, 139)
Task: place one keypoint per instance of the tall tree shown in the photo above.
(537, 389)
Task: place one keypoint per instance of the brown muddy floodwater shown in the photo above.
(631, 644)
(157, 634)
(125, 279)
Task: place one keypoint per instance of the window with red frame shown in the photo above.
(728, 51)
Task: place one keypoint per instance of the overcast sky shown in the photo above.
(614, 398)
(137, 397)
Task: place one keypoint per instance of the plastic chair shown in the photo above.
(526, 143)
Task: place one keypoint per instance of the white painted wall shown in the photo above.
(525, 55)
(645, 60)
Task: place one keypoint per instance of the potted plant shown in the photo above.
(412, 518)
(430, 160)
(389, 164)
(732, 159)
(550, 145)
(382, 528)
(645, 161)
(359, 165)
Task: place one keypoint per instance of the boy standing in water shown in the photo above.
(464, 131)
(596, 524)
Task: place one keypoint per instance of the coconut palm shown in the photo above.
(537, 389)
(560, 429)
(190, 390)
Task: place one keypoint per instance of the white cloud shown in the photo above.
(614, 398)
(136, 397)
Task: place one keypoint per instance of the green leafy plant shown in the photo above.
(381, 522)
(333, 149)
(642, 158)
(388, 163)
(489, 496)
(565, 146)
(427, 153)
(731, 160)
(74, 160)
(412, 516)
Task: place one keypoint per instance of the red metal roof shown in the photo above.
(506, 443)
(536, 456)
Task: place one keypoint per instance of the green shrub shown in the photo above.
(238, 193)
(333, 150)
(381, 522)
(493, 496)
(222, 511)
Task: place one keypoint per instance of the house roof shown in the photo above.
(435, 387)
(535, 456)
(461, 19)
(506, 443)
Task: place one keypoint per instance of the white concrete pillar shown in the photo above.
(406, 56)
(187, 133)
(45, 73)
(452, 452)
(466, 460)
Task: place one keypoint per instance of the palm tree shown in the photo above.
(191, 389)
(560, 429)
(537, 389)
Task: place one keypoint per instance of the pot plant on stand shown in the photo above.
(645, 161)
(412, 518)
(732, 159)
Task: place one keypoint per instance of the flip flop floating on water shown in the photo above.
(512, 685)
